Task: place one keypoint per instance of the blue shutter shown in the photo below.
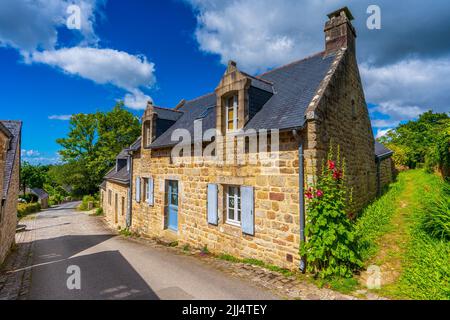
(247, 211)
(138, 189)
(150, 191)
(213, 217)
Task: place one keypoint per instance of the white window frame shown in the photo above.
(235, 114)
(237, 205)
(147, 191)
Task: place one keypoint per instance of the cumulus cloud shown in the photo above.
(30, 153)
(104, 66)
(382, 133)
(63, 117)
(31, 27)
(405, 66)
(406, 89)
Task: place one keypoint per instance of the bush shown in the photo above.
(331, 248)
(84, 206)
(24, 209)
(437, 215)
(29, 197)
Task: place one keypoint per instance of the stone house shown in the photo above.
(116, 189)
(10, 139)
(227, 170)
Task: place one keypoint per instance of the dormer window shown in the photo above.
(232, 113)
(147, 134)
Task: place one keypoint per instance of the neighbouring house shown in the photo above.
(116, 188)
(42, 195)
(10, 139)
(386, 171)
(228, 170)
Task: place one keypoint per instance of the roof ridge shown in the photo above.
(168, 109)
(291, 63)
(201, 97)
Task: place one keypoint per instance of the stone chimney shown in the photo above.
(339, 31)
(148, 125)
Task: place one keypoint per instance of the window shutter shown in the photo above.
(138, 189)
(213, 217)
(150, 191)
(247, 203)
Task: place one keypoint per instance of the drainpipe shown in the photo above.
(130, 189)
(301, 181)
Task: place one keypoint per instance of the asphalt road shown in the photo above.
(111, 267)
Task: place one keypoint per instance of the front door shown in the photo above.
(172, 207)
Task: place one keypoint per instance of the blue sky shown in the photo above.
(170, 50)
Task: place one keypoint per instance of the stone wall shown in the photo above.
(387, 172)
(115, 217)
(9, 222)
(276, 238)
(339, 114)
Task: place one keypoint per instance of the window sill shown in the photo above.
(233, 223)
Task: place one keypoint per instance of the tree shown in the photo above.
(90, 148)
(32, 176)
(416, 140)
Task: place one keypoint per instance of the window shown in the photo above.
(109, 197)
(123, 205)
(2, 209)
(147, 134)
(148, 190)
(231, 104)
(233, 205)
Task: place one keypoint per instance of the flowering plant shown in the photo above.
(331, 246)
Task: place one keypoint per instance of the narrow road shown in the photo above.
(112, 267)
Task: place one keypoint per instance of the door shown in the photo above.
(172, 205)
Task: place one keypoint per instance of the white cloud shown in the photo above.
(63, 117)
(137, 100)
(104, 66)
(30, 153)
(406, 89)
(382, 133)
(32, 25)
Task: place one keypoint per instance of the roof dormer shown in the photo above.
(239, 97)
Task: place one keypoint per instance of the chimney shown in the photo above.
(339, 31)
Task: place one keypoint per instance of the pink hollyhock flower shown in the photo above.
(331, 165)
(337, 174)
(309, 194)
(319, 193)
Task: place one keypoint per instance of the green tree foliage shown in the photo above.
(424, 141)
(331, 248)
(90, 148)
(32, 176)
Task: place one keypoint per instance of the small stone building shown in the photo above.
(42, 195)
(385, 166)
(228, 170)
(10, 137)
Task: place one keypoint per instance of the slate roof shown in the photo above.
(381, 151)
(121, 176)
(42, 194)
(167, 114)
(14, 128)
(103, 185)
(136, 145)
(294, 86)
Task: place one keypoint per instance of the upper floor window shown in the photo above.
(232, 113)
(147, 134)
